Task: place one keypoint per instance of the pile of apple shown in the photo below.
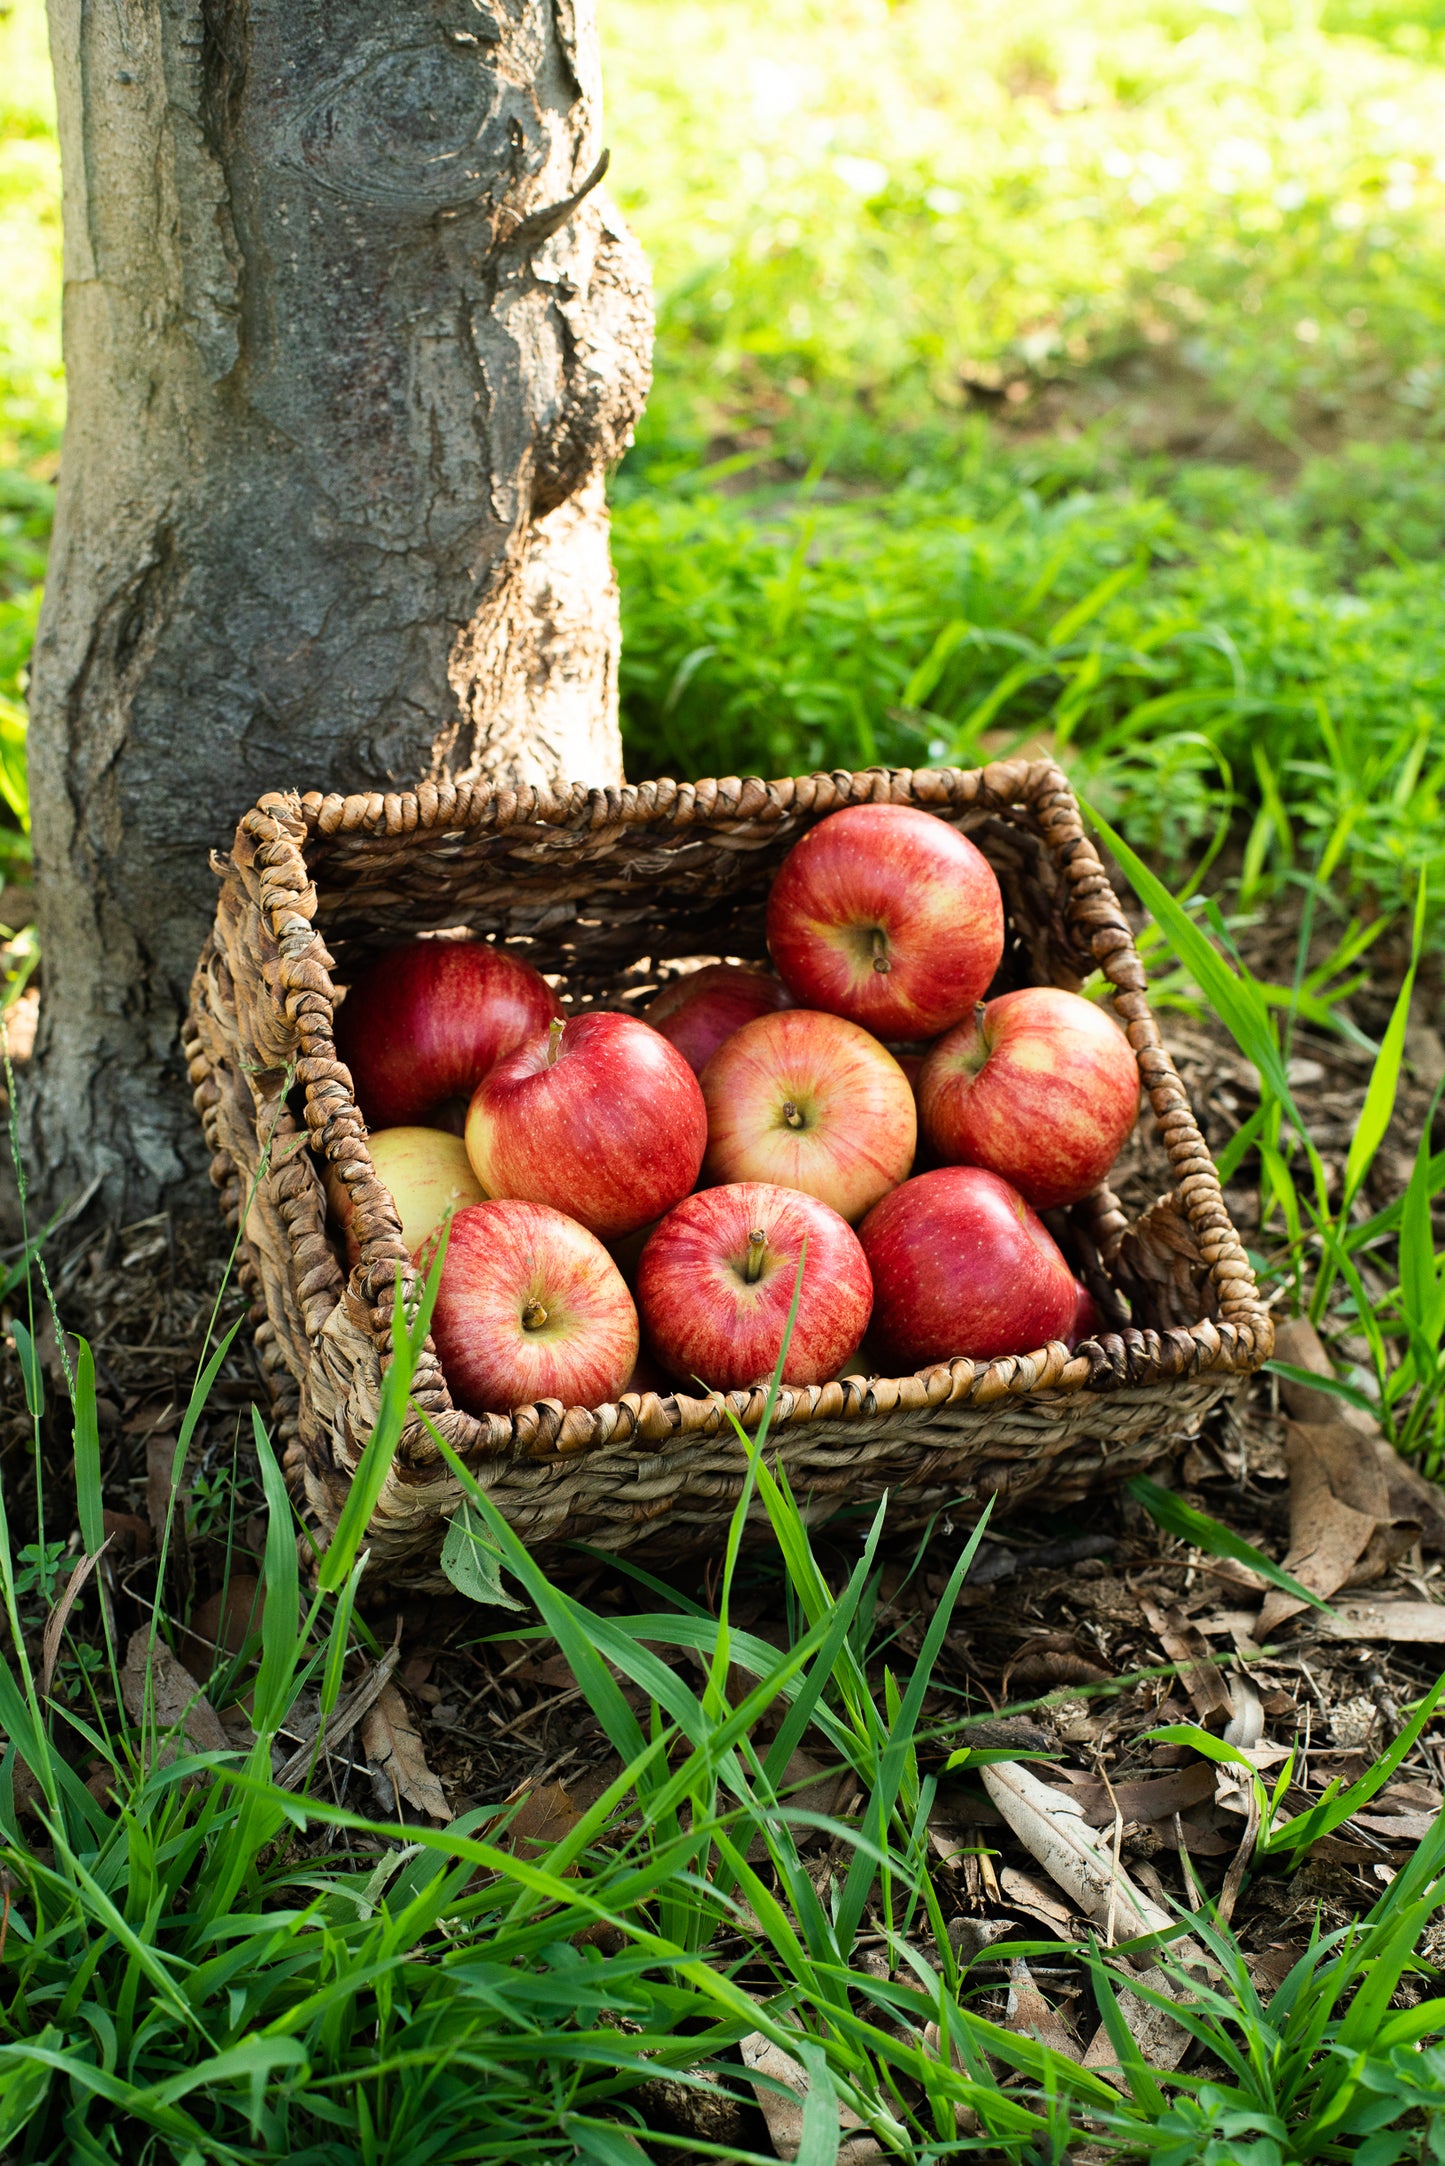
(743, 1122)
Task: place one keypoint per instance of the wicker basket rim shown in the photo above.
(274, 837)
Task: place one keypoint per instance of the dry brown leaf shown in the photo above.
(221, 1624)
(1026, 1892)
(396, 1759)
(174, 1696)
(56, 1622)
(1337, 1499)
(1183, 1642)
(544, 1816)
(1412, 1500)
(1396, 1827)
(783, 2110)
(160, 1467)
(1031, 2016)
(1146, 1801)
(1418, 1624)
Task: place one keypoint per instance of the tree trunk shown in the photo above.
(351, 338)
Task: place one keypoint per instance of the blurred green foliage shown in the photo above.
(1061, 371)
(974, 319)
(31, 392)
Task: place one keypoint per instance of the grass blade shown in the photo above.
(1384, 1085)
(1181, 1519)
(281, 1644)
(87, 1452)
(374, 1465)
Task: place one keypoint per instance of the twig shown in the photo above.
(1234, 1878)
(543, 1707)
(343, 1718)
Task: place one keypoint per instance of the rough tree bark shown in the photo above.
(352, 336)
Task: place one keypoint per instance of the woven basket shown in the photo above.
(602, 887)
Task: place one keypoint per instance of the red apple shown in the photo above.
(428, 1173)
(698, 1011)
(717, 1278)
(1040, 1086)
(530, 1306)
(809, 1101)
(1088, 1322)
(598, 1116)
(889, 916)
(426, 1022)
(962, 1265)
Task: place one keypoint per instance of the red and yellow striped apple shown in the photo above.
(598, 1116)
(425, 1023)
(698, 1011)
(1040, 1086)
(717, 1278)
(809, 1101)
(888, 916)
(530, 1306)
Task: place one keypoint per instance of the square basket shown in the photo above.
(598, 888)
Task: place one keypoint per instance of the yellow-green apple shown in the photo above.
(530, 1306)
(698, 1011)
(962, 1265)
(809, 1101)
(425, 1023)
(1039, 1085)
(888, 916)
(717, 1279)
(428, 1173)
(598, 1116)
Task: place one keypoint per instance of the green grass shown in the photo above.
(1173, 660)
(856, 208)
(201, 1965)
(1193, 256)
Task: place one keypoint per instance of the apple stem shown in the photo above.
(880, 951)
(554, 1038)
(791, 1114)
(534, 1315)
(757, 1242)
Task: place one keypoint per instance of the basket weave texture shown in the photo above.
(603, 888)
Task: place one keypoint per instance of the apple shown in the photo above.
(1039, 1085)
(598, 1115)
(530, 1306)
(809, 1101)
(717, 1279)
(698, 1011)
(962, 1265)
(428, 1173)
(1088, 1321)
(426, 1022)
(888, 916)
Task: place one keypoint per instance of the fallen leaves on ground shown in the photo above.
(397, 1761)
